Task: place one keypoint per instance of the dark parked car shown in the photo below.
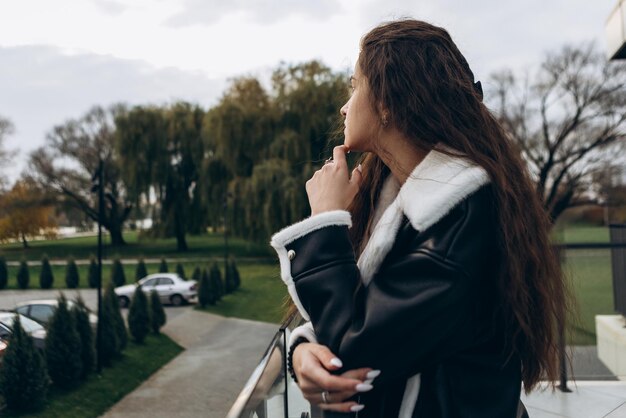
(42, 311)
(32, 328)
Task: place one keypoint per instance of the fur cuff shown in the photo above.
(305, 331)
(291, 233)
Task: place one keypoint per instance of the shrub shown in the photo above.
(117, 273)
(197, 275)
(236, 276)
(46, 278)
(163, 266)
(109, 344)
(23, 376)
(110, 298)
(72, 278)
(180, 271)
(85, 334)
(23, 276)
(93, 276)
(230, 279)
(141, 271)
(4, 273)
(157, 313)
(204, 290)
(63, 356)
(217, 286)
(139, 316)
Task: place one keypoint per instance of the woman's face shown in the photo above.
(361, 122)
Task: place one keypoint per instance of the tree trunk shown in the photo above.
(117, 239)
(24, 242)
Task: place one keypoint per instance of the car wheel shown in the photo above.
(177, 300)
(124, 302)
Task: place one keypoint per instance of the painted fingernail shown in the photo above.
(356, 408)
(363, 387)
(373, 374)
(360, 168)
(336, 362)
(368, 381)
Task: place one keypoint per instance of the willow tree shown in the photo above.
(263, 146)
(162, 153)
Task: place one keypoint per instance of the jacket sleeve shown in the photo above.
(416, 310)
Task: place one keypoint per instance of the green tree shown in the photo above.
(229, 278)
(23, 376)
(63, 347)
(118, 277)
(83, 142)
(204, 290)
(157, 316)
(72, 278)
(139, 316)
(23, 275)
(180, 271)
(110, 299)
(83, 327)
(93, 275)
(163, 268)
(162, 150)
(4, 273)
(46, 278)
(141, 271)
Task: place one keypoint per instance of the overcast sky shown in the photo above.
(58, 58)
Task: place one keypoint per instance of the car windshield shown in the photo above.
(28, 324)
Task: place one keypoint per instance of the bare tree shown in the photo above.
(68, 161)
(568, 119)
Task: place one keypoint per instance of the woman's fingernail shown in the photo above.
(356, 408)
(336, 362)
(368, 381)
(363, 387)
(373, 374)
(360, 168)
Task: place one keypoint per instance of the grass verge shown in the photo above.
(92, 398)
(260, 298)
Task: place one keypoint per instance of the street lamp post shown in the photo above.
(98, 186)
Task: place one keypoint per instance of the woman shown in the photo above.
(427, 274)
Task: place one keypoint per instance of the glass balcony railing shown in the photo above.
(270, 391)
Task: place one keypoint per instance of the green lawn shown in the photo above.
(581, 233)
(591, 281)
(261, 296)
(209, 245)
(100, 392)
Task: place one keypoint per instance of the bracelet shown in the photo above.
(296, 343)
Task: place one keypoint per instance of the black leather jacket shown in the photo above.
(430, 309)
(421, 303)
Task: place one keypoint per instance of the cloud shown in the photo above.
(42, 87)
(110, 7)
(206, 12)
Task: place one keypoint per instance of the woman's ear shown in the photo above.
(384, 118)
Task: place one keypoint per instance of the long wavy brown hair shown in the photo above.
(418, 75)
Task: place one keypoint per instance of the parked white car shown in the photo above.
(169, 286)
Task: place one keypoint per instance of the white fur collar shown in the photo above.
(436, 185)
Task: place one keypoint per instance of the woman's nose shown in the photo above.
(344, 110)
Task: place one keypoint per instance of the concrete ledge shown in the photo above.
(611, 337)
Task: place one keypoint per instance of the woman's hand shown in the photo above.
(312, 364)
(331, 188)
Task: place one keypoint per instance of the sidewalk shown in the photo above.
(204, 380)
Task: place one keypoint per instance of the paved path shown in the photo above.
(204, 380)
